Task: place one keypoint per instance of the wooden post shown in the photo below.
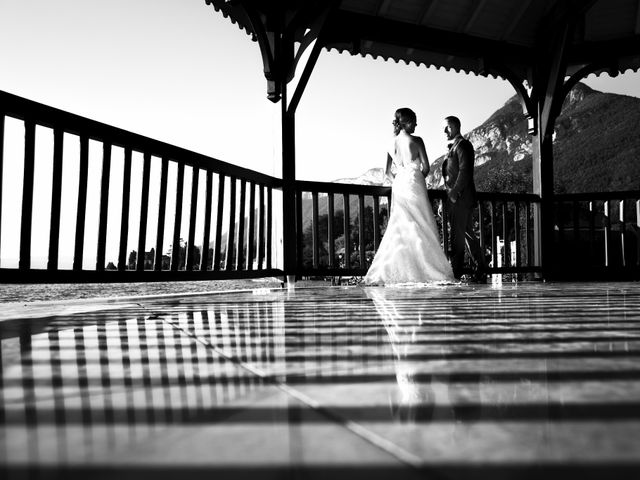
(278, 27)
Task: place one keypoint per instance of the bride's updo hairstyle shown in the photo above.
(404, 116)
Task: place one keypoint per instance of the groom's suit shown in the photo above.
(457, 171)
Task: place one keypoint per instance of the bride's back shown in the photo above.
(407, 149)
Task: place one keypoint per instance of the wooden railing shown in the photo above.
(340, 226)
(139, 196)
(117, 206)
(598, 234)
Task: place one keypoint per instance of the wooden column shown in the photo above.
(542, 105)
(289, 236)
(278, 27)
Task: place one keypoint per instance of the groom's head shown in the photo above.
(451, 127)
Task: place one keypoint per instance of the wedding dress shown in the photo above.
(410, 250)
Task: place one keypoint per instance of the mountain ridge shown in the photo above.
(596, 147)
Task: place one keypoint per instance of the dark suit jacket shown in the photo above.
(457, 171)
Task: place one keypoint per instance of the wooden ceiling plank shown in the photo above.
(344, 26)
(477, 8)
(383, 7)
(427, 10)
(524, 5)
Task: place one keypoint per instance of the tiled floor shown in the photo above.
(524, 380)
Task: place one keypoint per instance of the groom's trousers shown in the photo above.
(463, 236)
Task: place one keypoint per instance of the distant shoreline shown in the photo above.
(47, 292)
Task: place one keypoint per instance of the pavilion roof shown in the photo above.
(477, 36)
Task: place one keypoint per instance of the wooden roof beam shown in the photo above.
(524, 6)
(344, 26)
(561, 12)
(604, 51)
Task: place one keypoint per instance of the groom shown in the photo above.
(457, 171)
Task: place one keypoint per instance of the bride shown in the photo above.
(410, 250)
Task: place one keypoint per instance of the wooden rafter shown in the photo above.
(522, 8)
(427, 10)
(383, 7)
(478, 5)
(345, 26)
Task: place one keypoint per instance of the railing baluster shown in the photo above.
(530, 234)
(637, 230)
(494, 240)
(347, 231)
(517, 233)
(559, 217)
(206, 236)
(261, 218)
(232, 223)
(219, 220)
(82, 203)
(124, 219)
(241, 235)
(445, 229)
(576, 228)
(592, 230)
(27, 194)
(299, 232)
(623, 229)
(361, 242)
(506, 258)
(269, 226)
(376, 222)
(330, 233)
(527, 234)
(162, 210)
(481, 227)
(314, 229)
(144, 212)
(104, 206)
(193, 215)
(607, 234)
(252, 227)
(177, 223)
(56, 198)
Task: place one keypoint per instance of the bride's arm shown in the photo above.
(424, 159)
(387, 170)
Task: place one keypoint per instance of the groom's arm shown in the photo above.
(465, 173)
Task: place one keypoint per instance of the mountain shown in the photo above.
(596, 146)
(373, 176)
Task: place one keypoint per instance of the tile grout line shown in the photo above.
(374, 439)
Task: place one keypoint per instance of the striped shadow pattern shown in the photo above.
(520, 381)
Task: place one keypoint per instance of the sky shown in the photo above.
(180, 72)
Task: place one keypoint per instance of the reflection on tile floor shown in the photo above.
(522, 381)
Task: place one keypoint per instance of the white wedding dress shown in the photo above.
(410, 250)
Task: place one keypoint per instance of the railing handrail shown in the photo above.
(359, 189)
(336, 187)
(511, 197)
(44, 115)
(621, 195)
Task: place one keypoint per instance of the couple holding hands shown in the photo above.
(410, 250)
